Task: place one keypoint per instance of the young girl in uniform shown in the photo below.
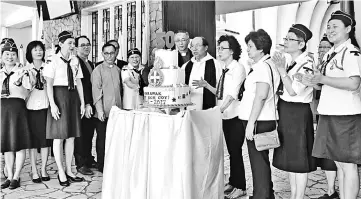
(63, 75)
(37, 104)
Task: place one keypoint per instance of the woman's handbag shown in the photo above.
(267, 140)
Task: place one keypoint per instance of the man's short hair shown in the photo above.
(182, 31)
(113, 41)
(204, 41)
(77, 40)
(107, 45)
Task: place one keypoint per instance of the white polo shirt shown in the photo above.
(57, 70)
(232, 82)
(261, 73)
(37, 99)
(334, 101)
(304, 93)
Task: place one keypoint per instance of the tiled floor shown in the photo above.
(91, 188)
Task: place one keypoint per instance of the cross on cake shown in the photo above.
(166, 82)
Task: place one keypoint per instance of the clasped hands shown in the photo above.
(309, 78)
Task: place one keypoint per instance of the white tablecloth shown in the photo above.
(158, 156)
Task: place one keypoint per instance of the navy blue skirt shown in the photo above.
(37, 124)
(338, 138)
(15, 132)
(69, 124)
(296, 135)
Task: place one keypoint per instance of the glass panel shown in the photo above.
(106, 25)
(94, 37)
(117, 22)
(143, 25)
(131, 12)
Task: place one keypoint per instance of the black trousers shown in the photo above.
(260, 164)
(234, 134)
(83, 144)
(101, 128)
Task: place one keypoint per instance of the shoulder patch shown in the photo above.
(355, 52)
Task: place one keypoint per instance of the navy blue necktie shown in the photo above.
(70, 75)
(5, 91)
(220, 87)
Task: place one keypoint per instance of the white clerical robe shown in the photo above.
(198, 73)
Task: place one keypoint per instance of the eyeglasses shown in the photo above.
(220, 48)
(289, 39)
(107, 54)
(180, 40)
(85, 45)
(324, 47)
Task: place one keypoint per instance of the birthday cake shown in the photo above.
(166, 82)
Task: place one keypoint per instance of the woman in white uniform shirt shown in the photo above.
(65, 93)
(16, 81)
(257, 109)
(338, 134)
(37, 104)
(227, 95)
(296, 120)
(131, 77)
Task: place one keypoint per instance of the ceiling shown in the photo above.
(224, 7)
(15, 15)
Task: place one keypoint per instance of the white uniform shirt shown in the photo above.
(232, 82)
(198, 73)
(261, 73)
(57, 70)
(37, 99)
(131, 97)
(304, 93)
(334, 101)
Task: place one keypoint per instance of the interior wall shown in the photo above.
(21, 36)
(357, 8)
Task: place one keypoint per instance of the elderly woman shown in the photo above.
(338, 136)
(134, 81)
(257, 109)
(226, 92)
(296, 120)
(37, 104)
(65, 93)
(16, 81)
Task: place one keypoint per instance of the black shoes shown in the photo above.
(14, 184)
(85, 170)
(74, 179)
(37, 180)
(333, 196)
(47, 178)
(6, 184)
(65, 183)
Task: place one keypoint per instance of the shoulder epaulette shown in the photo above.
(355, 52)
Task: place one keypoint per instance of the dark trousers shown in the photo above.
(83, 144)
(101, 128)
(260, 164)
(234, 134)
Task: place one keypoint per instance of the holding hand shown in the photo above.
(249, 131)
(200, 83)
(280, 62)
(101, 117)
(88, 111)
(82, 110)
(317, 77)
(55, 113)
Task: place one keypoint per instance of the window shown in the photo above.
(117, 22)
(94, 37)
(131, 25)
(106, 25)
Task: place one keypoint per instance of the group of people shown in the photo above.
(69, 98)
(61, 103)
(277, 94)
